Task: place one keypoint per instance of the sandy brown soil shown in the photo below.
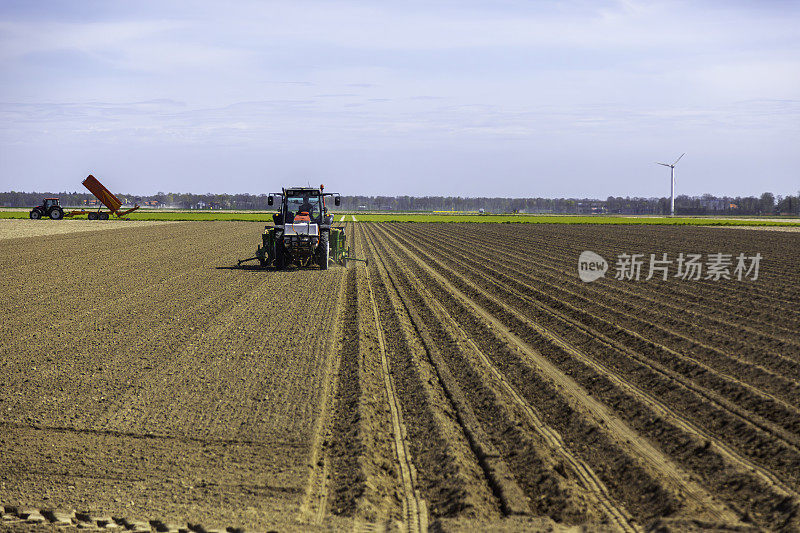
(144, 378)
(466, 379)
(763, 228)
(20, 228)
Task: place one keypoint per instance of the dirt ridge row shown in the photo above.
(427, 260)
(493, 278)
(609, 241)
(565, 275)
(617, 515)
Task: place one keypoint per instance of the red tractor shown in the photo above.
(49, 208)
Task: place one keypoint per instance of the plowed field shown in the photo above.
(465, 379)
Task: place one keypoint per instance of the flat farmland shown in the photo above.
(140, 380)
(465, 379)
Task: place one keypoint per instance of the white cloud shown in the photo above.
(531, 80)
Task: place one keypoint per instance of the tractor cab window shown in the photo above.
(49, 203)
(297, 204)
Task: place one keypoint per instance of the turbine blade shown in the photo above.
(666, 165)
(676, 161)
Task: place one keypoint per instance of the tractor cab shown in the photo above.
(305, 206)
(302, 204)
(50, 202)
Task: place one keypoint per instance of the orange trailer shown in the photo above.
(105, 196)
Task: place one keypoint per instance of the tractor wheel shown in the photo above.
(35, 214)
(280, 258)
(56, 213)
(104, 216)
(323, 250)
(92, 216)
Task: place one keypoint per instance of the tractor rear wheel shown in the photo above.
(280, 258)
(56, 213)
(323, 250)
(35, 214)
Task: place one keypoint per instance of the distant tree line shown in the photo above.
(707, 204)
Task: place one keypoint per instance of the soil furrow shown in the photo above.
(450, 479)
(505, 487)
(318, 486)
(768, 412)
(571, 241)
(603, 420)
(546, 491)
(716, 331)
(414, 507)
(780, 455)
(464, 379)
(764, 508)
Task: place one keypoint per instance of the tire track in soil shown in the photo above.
(317, 490)
(372, 474)
(784, 496)
(626, 437)
(500, 479)
(414, 507)
(449, 477)
(589, 480)
(14, 518)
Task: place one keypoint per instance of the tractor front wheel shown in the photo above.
(35, 214)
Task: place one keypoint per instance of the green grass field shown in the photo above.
(173, 215)
(266, 216)
(572, 219)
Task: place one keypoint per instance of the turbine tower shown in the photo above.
(672, 187)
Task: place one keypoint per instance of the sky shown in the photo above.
(463, 98)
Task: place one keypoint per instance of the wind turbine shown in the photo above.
(672, 187)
